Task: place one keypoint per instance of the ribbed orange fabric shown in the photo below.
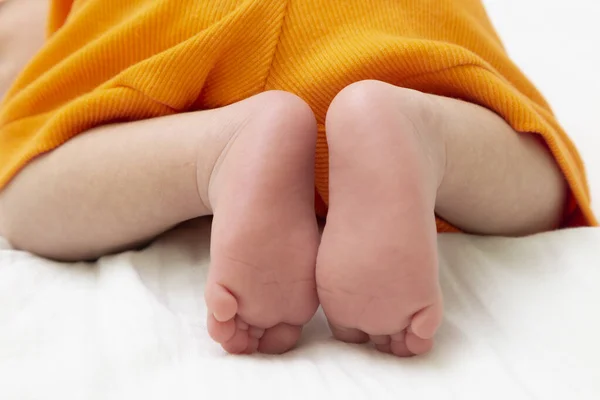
(115, 60)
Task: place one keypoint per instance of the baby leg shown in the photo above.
(251, 164)
(396, 156)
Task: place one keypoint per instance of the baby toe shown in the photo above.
(255, 332)
(380, 339)
(279, 339)
(220, 332)
(418, 345)
(349, 335)
(238, 344)
(399, 347)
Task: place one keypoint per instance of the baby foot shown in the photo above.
(261, 287)
(377, 273)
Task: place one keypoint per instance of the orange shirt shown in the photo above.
(115, 60)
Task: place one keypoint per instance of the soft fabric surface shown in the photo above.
(522, 314)
(521, 323)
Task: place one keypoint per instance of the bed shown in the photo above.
(521, 314)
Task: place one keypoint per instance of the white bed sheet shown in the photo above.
(521, 321)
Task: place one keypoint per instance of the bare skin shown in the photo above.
(396, 157)
(118, 186)
(21, 35)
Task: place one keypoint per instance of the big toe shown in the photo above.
(426, 322)
(220, 302)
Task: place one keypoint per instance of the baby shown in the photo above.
(420, 121)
